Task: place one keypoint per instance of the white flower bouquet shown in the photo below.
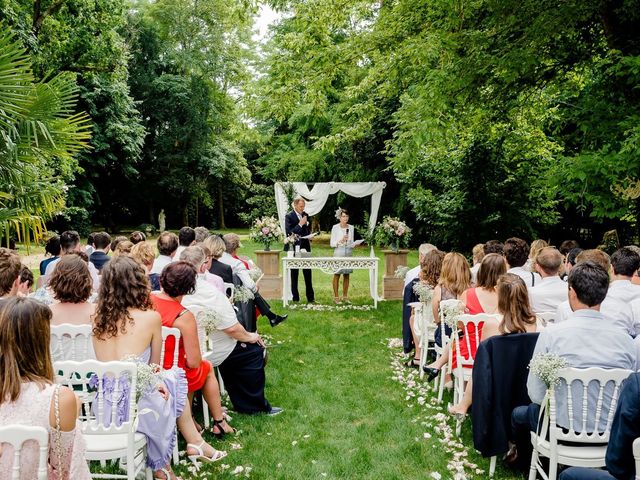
(149, 375)
(393, 232)
(423, 291)
(451, 313)
(255, 273)
(266, 231)
(546, 367)
(208, 320)
(243, 294)
(401, 271)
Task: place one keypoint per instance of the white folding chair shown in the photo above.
(106, 440)
(464, 366)
(546, 317)
(597, 389)
(16, 436)
(424, 328)
(446, 340)
(175, 333)
(636, 456)
(232, 288)
(71, 342)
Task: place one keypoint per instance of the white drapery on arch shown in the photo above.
(316, 198)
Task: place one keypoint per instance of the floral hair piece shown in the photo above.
(339, 212)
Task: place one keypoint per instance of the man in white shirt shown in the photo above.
(624, 265)
(238, 354)
(167, 244)
(186, 238)
(614, 311)
(422, 251)
(516, 253)
(583, 343)
(70, 242)
(551, 290)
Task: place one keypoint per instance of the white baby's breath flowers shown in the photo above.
(401, 271)
(148, 375)
(546, 367)
(208, 320)
(423, 291)
(452, 312)
(255, 273)
(243, 294)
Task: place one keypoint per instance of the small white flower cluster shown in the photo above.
(401, 271)
(317, 307)
(243, 294)
(255, 273)
(149, 375)
(208, 320)
(266, 230)
(451, 313)
(546, 367)
(423, 291)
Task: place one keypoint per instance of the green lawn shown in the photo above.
(351, 409)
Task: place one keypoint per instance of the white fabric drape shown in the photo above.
(316, 198)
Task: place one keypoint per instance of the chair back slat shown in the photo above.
(599, 392)
(468, 333)
(16, 436)
(166, 333)
(71, 342)
(101, 407)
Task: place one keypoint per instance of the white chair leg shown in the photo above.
(443, 376)
(492, 466)
(176, 456)
(205, 413)
(148, 474)
(131, 463)
(533, 468)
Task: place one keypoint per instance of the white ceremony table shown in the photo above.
(330, 265)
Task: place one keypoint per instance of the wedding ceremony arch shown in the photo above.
(317, 197)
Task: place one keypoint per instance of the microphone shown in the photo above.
(346, 244)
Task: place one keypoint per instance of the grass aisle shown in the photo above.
(347, 414)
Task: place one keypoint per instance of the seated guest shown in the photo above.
(550, 291)
(90, 247)
(516, 252)
(102, 244)
(29, 395)
(570, 261)
(412, 274)
(567, 246)
(241, 269)
(123, 248)
(536, 246)
(217, 248)
(615, 311)
(516, 317)
(202, 233)
(583, 342)
(126, 325)
(478, 254)
(70, 243)
(167, 244)
(71, 287)
(26, 281)
(142, 253)
(52, 248)
(624, 264)
(429, 275)
(480, 299)
(624, 430)
(455, 279)
(116, 241)
(179, 279)
(238, 354)
(10, 268)
(214, 280)
(137, 237)
(186, 238)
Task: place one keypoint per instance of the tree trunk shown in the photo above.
(185, 215)
(221, 224)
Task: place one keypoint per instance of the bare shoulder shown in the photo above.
(68, 408)
(149, 317)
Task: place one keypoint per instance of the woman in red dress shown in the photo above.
(179, 279)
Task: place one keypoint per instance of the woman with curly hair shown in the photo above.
(430, 269)
(71, 285)
(126, 325)
(179, 279)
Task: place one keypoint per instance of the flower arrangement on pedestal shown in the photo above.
(266, 231)
(392, 232)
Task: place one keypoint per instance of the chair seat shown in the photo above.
(576, 455)
(111, 446)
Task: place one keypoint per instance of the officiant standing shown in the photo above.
(342, 241)
(297, 223)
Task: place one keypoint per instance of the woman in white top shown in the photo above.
(342, 242)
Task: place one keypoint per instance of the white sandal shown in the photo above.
(201, 457)
(165, 472)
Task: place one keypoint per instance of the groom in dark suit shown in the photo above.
(297, 223)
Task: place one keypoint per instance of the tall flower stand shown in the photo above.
(392, 287)
(271, 283)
